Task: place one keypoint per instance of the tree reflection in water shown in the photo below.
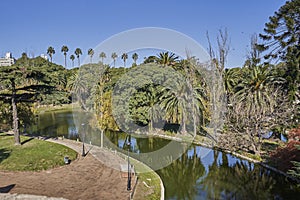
(181, 176)
(195, 175)
(242, 180)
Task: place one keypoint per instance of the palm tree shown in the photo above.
(50, 52)
(91, 53)
(124, 58)
(135, 56)
(102, 56)
(166, 58)
(72, 57)
(65, 49)
(152, 96)
(176, 104)
(78, 52)
(231, 78)
(255, 80)
(114, 56)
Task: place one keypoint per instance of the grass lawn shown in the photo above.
(150, 178)
(147, 175)
(33, 155)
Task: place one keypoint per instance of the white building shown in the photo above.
(44, 56)
(8, 60)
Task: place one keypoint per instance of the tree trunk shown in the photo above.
(183, 123)
(15, 114)
(102, 133)
(65, 61)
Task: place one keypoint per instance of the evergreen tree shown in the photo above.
(282, 41)
(31, 82)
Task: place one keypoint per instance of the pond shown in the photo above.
(198, 173)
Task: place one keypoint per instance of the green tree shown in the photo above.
(135, 56)
(150, 59)
(176, 104)
(114, 56)
(72, 57)
(50, 52)
(30, 83)
(65, 49)
(78, 52)
(282, 31)
(102, 56)
(282, 41)
(231, 79)
(124, 58)
(91, 53)
(166, 58)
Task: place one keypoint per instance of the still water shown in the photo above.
(199, 173)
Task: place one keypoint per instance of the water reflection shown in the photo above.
(55, 124)
(199, 173)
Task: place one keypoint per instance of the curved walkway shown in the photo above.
(85, 178)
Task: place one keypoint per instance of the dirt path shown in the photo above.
(85, 178)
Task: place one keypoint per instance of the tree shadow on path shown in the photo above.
(6, 189)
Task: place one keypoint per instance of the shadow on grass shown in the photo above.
(6, 134)
(6, 189)
(28, 140)
(4, 153)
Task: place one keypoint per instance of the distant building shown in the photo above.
(44, 56)
(8, 60)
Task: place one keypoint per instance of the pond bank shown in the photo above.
(81, 179)
(113, 159)
(265, 165)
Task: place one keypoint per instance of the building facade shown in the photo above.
(8, 60)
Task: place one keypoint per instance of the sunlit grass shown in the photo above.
(33, 155)
(150, 178)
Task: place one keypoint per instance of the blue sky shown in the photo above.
(33, 25)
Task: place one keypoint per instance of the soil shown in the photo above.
(84, 178)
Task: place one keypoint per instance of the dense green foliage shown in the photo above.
(168, 94)
(156, 94)
(30, 82)
(282, 41)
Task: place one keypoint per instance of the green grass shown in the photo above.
(147, 175)
(33, 155)
(150, 178)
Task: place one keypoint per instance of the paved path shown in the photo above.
(105, 156)
(106, 178)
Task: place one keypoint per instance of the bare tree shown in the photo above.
(219, 56)
(217, 65)
(248, 122)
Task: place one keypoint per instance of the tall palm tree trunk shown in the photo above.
(65, 60)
